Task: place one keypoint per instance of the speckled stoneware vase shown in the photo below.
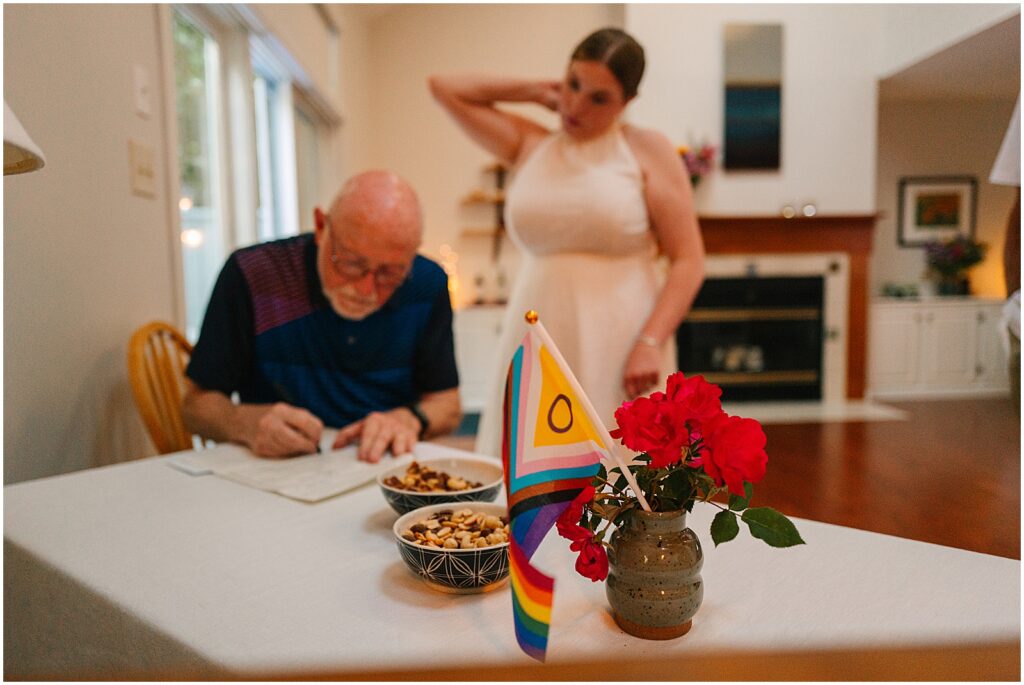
(654, 584)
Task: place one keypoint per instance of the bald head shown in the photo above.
(367, 242)
(379, 206)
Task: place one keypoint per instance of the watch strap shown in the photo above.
(417, 411)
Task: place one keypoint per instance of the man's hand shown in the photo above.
(396, 430)
(281, 430)
(269, 430)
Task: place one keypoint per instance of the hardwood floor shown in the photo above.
(949, 475)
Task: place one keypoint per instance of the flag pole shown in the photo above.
(534, 320)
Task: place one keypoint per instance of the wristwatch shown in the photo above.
(418, 413)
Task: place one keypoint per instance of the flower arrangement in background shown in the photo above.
(951, 257)
(690, 450)
(699, 160)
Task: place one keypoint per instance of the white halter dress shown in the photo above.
(576, 212)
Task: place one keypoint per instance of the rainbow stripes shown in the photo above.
(532, 595)
(550, 452)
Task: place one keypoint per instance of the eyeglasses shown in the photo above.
(352, 266)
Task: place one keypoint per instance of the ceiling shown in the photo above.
(985, 66)
(370, 11)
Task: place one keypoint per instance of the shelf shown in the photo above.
(484, 197)
(712, 315)
(752, 378)
(481, 232)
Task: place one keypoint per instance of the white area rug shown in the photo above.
(814, 411)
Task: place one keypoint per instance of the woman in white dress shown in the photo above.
(589, 206)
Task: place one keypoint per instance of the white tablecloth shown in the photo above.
(142, 566)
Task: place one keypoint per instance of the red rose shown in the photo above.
(586, 494)
(700, 399)
(568, 523)
(653, 425)
(573, 531)
(734, 451)
(593, 560)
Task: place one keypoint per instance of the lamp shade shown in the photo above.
(1006, 170)
(21, 154)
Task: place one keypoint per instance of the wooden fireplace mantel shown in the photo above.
(851, 234)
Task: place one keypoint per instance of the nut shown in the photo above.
(419, 478)
(463, 529)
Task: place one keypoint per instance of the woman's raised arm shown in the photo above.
(471, 99)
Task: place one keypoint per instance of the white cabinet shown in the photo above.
(943, 347)
(477, 332)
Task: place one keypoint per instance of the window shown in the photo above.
(307, 165)
(201, 205)
(251, 129)
(277, 213)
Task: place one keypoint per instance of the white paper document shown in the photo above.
(308, 478)
(311, 478)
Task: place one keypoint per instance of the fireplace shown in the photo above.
(759, 338)
(837, 247)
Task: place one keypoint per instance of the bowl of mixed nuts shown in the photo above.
(441, 480)
(460, 548)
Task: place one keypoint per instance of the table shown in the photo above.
(141, 567)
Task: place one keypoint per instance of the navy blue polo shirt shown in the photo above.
(270, 335)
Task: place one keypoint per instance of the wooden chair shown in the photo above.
(157, 357)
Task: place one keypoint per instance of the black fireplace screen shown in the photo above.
(758, 338)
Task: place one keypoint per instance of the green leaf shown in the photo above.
(737, 503)
(616, 479)
(677, 486)
(769, 525)
(724, 527)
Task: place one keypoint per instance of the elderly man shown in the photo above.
(347, 327)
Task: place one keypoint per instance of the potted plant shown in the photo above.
(949, 260)
(690, 451)
(698, 161)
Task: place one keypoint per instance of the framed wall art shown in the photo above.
(753, 96)
(936, 208)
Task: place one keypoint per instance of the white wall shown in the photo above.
(915, 31)
(412, 135)
(351, 144)
(929, 138)
(828, 100)
(85, 261)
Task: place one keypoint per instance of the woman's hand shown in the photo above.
(643, 367)
(549, 94)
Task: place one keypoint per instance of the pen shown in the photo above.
(287, 397)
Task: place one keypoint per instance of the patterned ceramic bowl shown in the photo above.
(487, 472)
(459, 571)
